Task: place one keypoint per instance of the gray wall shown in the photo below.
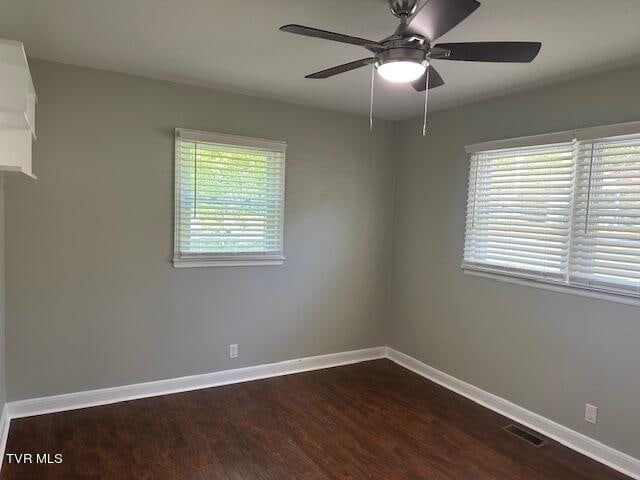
(549, 352)
(93, 300)
(2, 300)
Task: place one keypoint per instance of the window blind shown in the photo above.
(519, 210)
(566, 212)
(229, 199)
(606, 234)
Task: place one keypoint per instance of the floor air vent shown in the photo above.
(526, 435)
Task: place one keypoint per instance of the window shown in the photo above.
(561, 209)
(229, 200)
(606, 238)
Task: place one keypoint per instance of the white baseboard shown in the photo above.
(104, 396)
(576, 441)
(598, 451)
(4, 432)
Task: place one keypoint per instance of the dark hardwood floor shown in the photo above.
(372, 420)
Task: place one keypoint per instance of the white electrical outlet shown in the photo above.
(591, 413)
(233, 350)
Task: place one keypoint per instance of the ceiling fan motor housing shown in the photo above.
(402, 54)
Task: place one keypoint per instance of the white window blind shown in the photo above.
(606, 239)
(229, 194)
(519, 210)
(566, 213)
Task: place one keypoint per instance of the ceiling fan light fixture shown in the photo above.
(401, 71)
(402, 65)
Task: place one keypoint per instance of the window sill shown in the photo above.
(554, 287)
(226, 262)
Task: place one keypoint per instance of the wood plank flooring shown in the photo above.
(373, 420)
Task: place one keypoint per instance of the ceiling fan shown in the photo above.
(405, 56)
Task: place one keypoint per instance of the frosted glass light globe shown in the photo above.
(401, 71)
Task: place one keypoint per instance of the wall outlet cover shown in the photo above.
(591, 413)
(233, 350)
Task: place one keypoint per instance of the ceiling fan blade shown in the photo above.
(330, 72)
(509, 52)
(437, 17)
(435, 80)
(336, 37)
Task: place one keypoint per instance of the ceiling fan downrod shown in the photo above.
(403, 8)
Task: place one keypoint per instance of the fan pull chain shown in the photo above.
(373, 77)
(426, 100)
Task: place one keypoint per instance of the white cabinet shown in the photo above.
(17, 109)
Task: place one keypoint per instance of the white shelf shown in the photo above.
(17, 109)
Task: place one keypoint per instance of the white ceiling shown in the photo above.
(236, 45)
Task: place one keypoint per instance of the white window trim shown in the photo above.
(223, 260)
(210, 261)
(559, 286)
(590, 133)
